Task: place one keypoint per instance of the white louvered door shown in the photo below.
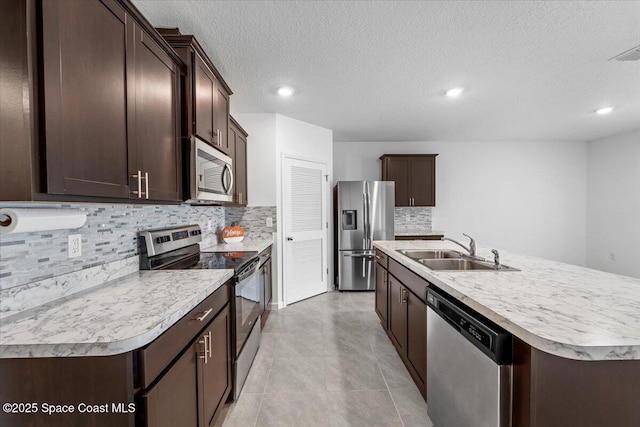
(305, 230)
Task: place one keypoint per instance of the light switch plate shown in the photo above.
(74, 245)
(269, 222)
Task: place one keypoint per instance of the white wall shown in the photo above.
(613, 204)
(307, 142)
(524, 197)
(261, 157)
(271, 136)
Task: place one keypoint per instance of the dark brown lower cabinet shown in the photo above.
(173, 401)
(404, 293)
(417, 339)
(382, 294)
(214, 371)
(71, 381)
(397, 314)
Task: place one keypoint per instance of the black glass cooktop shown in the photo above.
(223, 260)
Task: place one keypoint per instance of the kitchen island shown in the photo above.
(576, 333)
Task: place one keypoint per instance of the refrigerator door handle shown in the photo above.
(367, 217)
(369, 256)
(364, 220)
(364, 269)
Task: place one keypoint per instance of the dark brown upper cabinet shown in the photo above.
(238, 143)
(154, 150)
(206, 98)
(102, 115)
(415, 178)
(86, 66)
(221, 118)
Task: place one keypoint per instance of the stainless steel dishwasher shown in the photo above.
(468, 366)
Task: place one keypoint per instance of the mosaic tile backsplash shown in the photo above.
(419, 218)
(110, 234)
(253, 219)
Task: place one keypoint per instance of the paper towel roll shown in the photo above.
(18, 220)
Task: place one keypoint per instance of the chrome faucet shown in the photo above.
(472, 244)
(496, 259)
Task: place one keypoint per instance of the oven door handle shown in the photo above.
(251, 270)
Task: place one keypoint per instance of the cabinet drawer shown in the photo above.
(409, 279)
(158, 355)
(382, 258)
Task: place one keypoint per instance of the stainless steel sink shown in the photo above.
(430, 254)
(462, 265)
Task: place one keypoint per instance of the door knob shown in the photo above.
(289, 238)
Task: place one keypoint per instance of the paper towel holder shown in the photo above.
(28, 220)
(5, 220)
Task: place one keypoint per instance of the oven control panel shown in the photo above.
(156, 242)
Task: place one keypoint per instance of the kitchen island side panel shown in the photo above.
(73, 381)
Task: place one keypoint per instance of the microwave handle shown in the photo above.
(227, 168)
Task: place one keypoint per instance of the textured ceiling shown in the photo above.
(533, 70)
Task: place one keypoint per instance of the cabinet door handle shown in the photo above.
(205, 352)
(210, 352)
(204, 315)
(139, 192)
(146, 184)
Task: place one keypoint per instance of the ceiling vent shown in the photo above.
(632, 54)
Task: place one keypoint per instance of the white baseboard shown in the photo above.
(277, 305)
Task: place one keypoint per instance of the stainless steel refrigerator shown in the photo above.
(364, 213)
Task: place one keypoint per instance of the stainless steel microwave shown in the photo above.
(210, 174)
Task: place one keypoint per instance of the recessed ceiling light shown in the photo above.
(285, 91)
(604, 110)
(456, 91)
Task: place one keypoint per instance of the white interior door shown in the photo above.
(305, 232)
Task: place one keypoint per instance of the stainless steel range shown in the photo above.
(177, 248)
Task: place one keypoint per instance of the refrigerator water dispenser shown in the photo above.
(350, 220)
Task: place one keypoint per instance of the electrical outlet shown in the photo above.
(407, 217)
(269, 222)
(75, 245)
(612, 256)
(209, 225)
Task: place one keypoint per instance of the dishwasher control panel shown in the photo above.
(490, 338)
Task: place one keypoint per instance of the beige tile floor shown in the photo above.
(326, 361)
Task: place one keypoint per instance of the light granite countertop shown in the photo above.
(118, 316)
(258, 245)
(565, 310)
